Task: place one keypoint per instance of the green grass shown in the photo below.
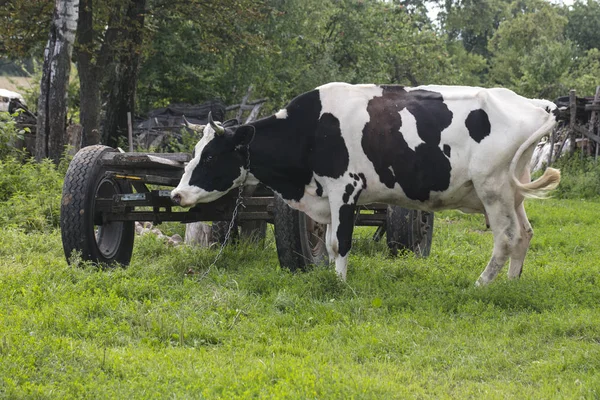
(399, 328)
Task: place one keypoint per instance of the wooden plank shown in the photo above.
(592, 107)
(243, 103)
(129, 131)
(592, 136)
(551, 152)
(164, 161)
(572, 119)
(145, 160)
(253, 113)
(594, 117)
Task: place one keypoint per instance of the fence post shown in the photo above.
(572, 120)
(594, 121)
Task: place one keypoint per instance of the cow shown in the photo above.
(428, 147)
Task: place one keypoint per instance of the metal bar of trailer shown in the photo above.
(162, 198)
(184, 217)
(210, 215)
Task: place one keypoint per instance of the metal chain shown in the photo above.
(239, 202)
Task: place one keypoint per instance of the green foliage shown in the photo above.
(580, 177)
(584, 24)
(25, 26)
(30, 194)
(9, 135)
(584, 73)
(530, 53)
(472, 23)
(186, 144)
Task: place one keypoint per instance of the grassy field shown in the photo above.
(399, 328)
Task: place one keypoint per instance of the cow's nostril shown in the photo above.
(176, 199)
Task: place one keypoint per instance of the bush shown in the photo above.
(30, 194)
(9, 134)
(580, 178)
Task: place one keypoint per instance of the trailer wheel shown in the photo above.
(81, 227)
(219, 232)
(300, 241)
(254, 231)
(409, 230)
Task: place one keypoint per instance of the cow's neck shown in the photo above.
(278, 157)
(282, 144)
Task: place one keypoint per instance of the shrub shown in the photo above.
(9, 134)
(580, 178)
(30, 194)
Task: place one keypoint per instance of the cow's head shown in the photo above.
(219, 163)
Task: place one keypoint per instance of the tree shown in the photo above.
(52, 105)
(583, 27)
(122, 83)
(25, 26)
(529, 51)
(584, 74)
(191, 46)
(92, 60)
(473, 22)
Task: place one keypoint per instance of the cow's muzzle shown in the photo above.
(176, 198)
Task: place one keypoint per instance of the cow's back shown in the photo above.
(422, 147)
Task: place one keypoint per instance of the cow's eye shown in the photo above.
(209, 159)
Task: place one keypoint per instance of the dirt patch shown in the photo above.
(16, 83)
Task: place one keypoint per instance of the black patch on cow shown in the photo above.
(347, 193)
(219, 165)
(478, 125)
(363, 178)
(345, 228)
(347, 213)
(319, 189)
(447, 150)
(281, 149)
(330, 154)
(419, 171)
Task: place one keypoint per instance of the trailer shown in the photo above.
(106, 191)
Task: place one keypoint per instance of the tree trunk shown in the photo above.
(89, 93)
(52, 105)
(121, 98)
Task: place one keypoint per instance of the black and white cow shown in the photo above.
(428, 148)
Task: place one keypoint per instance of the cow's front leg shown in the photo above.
(342, 225)
(329, 235)
(343, 210)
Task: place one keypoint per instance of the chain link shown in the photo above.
(239, 202)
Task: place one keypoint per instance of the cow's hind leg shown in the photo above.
(518, 255)
(504, 224)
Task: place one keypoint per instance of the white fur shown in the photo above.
(281, 114)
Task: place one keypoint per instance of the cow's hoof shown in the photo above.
(481, 282)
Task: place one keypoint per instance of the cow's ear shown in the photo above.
(243, 136)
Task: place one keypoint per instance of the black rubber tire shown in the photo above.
(81, 230)
(254, 231)
(409, 230)
(219, 232)
(300, 241)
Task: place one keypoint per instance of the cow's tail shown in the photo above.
(551, 177)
